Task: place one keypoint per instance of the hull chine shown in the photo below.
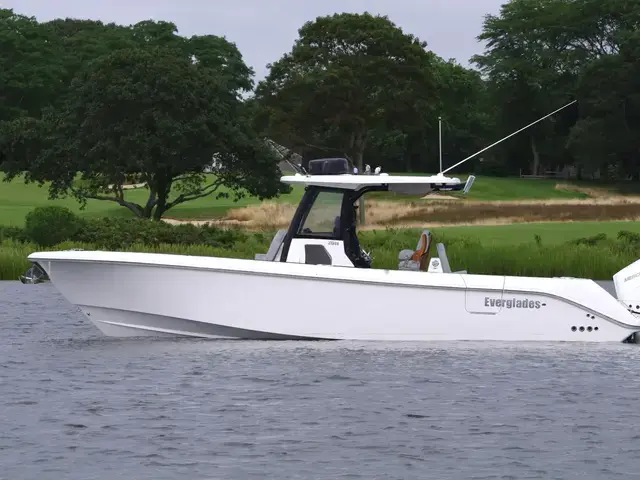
(121, 323)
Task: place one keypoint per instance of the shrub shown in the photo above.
(121, 233)
(48, 226)
(629, 238)
(16, 234)
(599, 239)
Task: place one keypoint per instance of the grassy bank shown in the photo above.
(17, 199)
(598, 257)
(517, 234)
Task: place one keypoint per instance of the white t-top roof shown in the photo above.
(397, 183)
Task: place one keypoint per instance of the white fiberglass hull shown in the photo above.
(137, 294)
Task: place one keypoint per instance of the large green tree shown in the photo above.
(347, 78)
(461, 101)
(607, 136)
(92, 99)
(467, 111)
(153, 111)
(530, 74)
(540, 53)
(38, 62)
(28, 66)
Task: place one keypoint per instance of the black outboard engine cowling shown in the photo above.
(329, 166)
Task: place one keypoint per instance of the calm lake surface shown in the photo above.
(77, 405)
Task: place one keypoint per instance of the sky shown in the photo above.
(264, 30)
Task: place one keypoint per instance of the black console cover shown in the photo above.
(329, 166)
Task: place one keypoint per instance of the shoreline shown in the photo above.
(495, 222)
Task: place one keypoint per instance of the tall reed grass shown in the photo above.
(597, 257)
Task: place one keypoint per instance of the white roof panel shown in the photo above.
(397, 183)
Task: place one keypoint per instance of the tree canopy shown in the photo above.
(150, 112)
(543, 52)
(142, 102)
(348, 78)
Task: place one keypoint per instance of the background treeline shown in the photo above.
(354, 81)
(86, 107)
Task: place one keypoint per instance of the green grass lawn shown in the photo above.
(17, 199)
(515, 188)
(504, 188)
(488, 189)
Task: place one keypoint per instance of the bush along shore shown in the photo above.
(597, 257)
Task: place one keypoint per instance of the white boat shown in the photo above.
(315, 282)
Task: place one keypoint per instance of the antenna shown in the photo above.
(505, 138)
(440, 140)
(279, 149)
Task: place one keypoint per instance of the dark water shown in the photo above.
(76, 405)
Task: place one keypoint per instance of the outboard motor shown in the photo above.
(35, 274)
(627, 285)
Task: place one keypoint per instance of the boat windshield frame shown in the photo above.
(347, 220)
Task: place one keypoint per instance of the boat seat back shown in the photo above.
(421, 254)
(444, 260)
(276, 243)
(419, 258)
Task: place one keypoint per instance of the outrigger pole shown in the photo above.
(440, 140)
(505, 138)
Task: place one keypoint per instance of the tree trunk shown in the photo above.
(536, 156)
(151, 201)
(160, 210)
(163, 187)
(408, 155)
(134, 208)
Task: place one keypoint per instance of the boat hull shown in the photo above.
(158, 295)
